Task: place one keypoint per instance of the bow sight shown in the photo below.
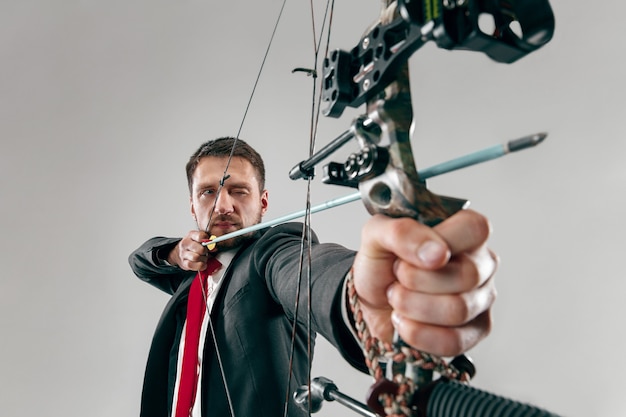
(503, 30)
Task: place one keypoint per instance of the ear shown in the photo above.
(264, 201)
(192, 209)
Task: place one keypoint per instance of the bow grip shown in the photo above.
(445, 398)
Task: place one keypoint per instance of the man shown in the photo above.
(433, 286)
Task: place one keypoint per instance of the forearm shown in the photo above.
(148, 262)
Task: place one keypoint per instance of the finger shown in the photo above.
(194, 244)
(444, 341)
(384, 238)
(198, 235)
(196, 257)
(204, 237)
(192, 260)
(462, 273)
(194, 266)
(466, 230)
(450, 310)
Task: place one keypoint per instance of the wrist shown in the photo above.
(165, 256)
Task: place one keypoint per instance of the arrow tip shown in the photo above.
(526, 142)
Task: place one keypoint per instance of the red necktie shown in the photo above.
(190, 371)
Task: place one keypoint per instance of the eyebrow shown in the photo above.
(227, 184)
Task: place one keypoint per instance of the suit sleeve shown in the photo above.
(150, 267)
(277, 257)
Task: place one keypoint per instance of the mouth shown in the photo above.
(223, 226)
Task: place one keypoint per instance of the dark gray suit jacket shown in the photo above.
(252, 318)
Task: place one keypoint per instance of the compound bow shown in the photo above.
(375, 73)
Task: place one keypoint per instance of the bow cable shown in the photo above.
(225, 177)
(306, 227)
(245, 113)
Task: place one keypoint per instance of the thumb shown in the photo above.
(386, 240)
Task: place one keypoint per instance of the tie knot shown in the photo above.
(212, 266)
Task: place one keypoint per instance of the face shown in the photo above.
(240, 202)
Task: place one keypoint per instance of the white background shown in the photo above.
(101, 103)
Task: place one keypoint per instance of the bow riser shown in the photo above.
(376, 72)
(398, 191)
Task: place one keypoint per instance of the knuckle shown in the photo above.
(453, 345)
(459, 312)
(486, 322)
(438, 341)
(492, 293)
(471, 273)
(397, 301)
(399, 226)
(480, 225)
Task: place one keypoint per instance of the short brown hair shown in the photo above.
(223, 147)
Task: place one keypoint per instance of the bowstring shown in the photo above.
(245, 113)
(307, 232)
(305, 242)
(224, 178)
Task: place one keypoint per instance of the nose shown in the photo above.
(224, 204)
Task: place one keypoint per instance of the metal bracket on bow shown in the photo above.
(384, 167)
(504, 31)
(375, 73)
(323, 389)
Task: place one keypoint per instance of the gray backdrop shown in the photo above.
(102, 102)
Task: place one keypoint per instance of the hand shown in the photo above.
(433, 285)
(189, 254)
